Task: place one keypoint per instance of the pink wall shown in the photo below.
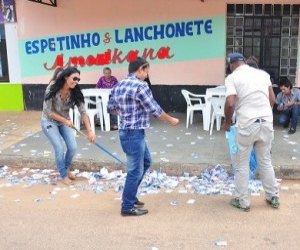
(75, 15)
(37, 20)
(262, 2)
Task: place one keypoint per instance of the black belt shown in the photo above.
(260, 120)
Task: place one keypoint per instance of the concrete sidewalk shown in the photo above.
(174, 149)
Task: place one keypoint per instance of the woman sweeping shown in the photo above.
(61, 95)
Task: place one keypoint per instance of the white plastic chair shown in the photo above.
(218, 104)
(92, 112)
(194, 103)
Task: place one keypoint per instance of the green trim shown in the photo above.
(11, 97)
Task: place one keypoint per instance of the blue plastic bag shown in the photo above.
(230, 136)
(253, 165)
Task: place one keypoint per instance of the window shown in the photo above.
(267, 31)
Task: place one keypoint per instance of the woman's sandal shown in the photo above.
(67, 181)
(71, 176)
(114, 127)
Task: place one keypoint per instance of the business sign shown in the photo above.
(183, 40)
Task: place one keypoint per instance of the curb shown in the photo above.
(170, 168)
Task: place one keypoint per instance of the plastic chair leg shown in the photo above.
(101, 121)
(187, 119)
(92, 121)
(77, 120)
(212, 123)
(100, 115)
(218, 118)
(71, 114)
(192, 117)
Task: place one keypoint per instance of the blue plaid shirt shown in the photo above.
(133, 101)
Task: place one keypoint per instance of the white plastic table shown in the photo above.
(210, 92)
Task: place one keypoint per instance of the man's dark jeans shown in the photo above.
(138, 162)
(291, 114)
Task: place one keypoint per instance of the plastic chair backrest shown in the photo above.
(189, 97)
(87, 102)
(185, 93)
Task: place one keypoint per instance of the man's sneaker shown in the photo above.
(274, 202)
(292, 131)
(138, 203)
(236, 203)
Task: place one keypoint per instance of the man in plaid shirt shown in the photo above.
(132, 100)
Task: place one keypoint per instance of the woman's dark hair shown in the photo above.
(284, 81)
(76, 94)
(55, 73)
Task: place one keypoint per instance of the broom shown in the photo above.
(101, 147)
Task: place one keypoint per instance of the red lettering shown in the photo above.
(59, 62)
(75, 60)
(132, 55)
(163, 53)
(107, 58)
(116, 58)
(90, 60)
(103, 59)
(149, 53)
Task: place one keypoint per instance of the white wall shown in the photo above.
(12, 52)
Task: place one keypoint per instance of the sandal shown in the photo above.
(71, 176)
(67, 181)
(114, 127)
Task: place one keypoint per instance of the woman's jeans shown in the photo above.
(57, 133)
(138, 162)
(290, 114)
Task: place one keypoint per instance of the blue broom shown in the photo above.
(101, 147)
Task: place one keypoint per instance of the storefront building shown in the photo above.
(186, 43)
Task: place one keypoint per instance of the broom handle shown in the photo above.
(102, 148)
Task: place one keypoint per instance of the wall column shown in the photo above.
(13, 57)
